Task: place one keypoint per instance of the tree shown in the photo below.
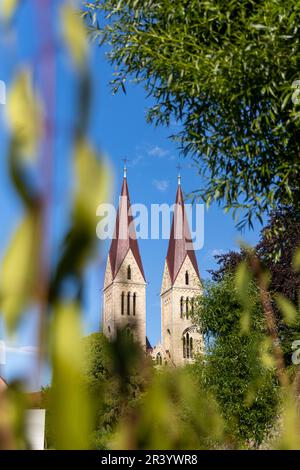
(237, 370)
(276, 249)
(226, 72)
(114, 380)
(115, 384)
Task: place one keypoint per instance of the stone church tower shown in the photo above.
(180, 285)
(124, 292)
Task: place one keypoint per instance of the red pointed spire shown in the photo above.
(180, 244)
(124, 236)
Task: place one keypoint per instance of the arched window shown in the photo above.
(184, 347)
(192, 306)
(158, 359)
(187, 307)
(187, 278)
(128, 303)
(181, 307)
(187, 341)
(128, 272)
(188, 347)
(134, 304)
(122, 303)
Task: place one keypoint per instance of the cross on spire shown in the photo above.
(179, 174)
(125, 160)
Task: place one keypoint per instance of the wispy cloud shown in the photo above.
(157, 151)
(161, 185)
(136, 160)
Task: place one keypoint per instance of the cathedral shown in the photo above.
(124, 291)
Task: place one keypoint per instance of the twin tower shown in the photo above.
(124, 292)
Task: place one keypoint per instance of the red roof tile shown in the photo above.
(124, 235)
(178, 248)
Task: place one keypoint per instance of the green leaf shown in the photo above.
(7, 8)
(242, 281)
(266, 355)
(296, 260)
(245, 322)
(93, 180)
(75, 34)
(24, 114)
(287, 308)
(18, 274)
(71, 414)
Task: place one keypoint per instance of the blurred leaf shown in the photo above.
(19, 174)
(12, 413)
(71, 416)
(296, 260)
(19, 270)
(74, 33)
(245, 322)
(242, 281)
(92, 183)
(24, 114)
(266, 356)
(287, 309)
(174, 414)
(7, 8)
(290, 436)
(92, 187)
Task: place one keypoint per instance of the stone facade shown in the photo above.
(180, 338)
(119, 294)
(124, 292)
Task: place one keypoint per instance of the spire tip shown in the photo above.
(125, 160)
(179, 174)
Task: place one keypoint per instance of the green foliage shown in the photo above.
(224, 71)
(277, 250)
(95, 358)
(220, 308)
(174, 414)
(237, 371)
(117, 375)
(245, 390)
(135, 407)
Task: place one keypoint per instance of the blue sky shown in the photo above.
(118, 128)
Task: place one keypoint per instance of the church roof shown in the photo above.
(148, 345)
(124, 235)
(178, 248)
